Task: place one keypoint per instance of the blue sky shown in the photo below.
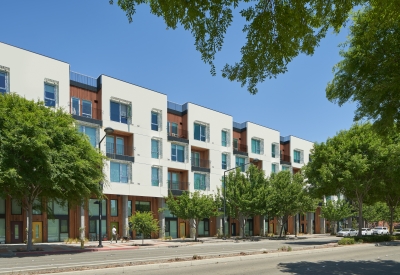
(95, 38)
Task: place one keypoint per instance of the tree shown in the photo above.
(374, 213)
(336, 210)
(288, 196)
(144, 223)
(349, 164)
(44, 157)
(276, 31)
(193, 206)
(369, 72)
(245, 194)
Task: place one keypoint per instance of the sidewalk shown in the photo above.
(19, 250)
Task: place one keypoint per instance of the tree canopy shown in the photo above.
(44, 157)
(193, 206)
(336, 210)
(144, 223)
(276, 31)
(369, 73)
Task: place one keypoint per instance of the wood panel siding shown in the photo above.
(95, 98)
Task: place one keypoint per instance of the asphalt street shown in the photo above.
(363, 259)
(43, 262)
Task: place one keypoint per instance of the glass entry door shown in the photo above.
(171, 228)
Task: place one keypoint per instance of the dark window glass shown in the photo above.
(114, 208)
(114, 111)
(143, 206)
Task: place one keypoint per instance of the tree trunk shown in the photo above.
(244, 220)
(29, 243)
(360, 218)
(282, 227)
(195, 228)
(391, 220)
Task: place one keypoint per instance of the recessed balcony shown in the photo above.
(119, 152)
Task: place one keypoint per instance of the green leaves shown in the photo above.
(276, 31)
(144, 223)
(369, 72)
(336, 210)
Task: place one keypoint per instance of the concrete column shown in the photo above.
(218, 225)
(263, 229)
(309, 223)
(82, 224)
(125, 222)
(161, 218)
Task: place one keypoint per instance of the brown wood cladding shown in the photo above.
(95, 98)
(285, 149)
(241, 137)
(180, 120)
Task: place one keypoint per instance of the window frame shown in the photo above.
(176, 152)
(257, 146)
(200, 184)
(154, 126)
(226, 161)
(46, 99)
(298, 161)
(121, 118)
(158, 170)
(201, 134)
(224, 134)
(153, 141)
(91, 108)
(116, 208)
(241, 166)
(120, 172)
(73, 111)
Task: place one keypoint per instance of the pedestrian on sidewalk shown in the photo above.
(114, 234)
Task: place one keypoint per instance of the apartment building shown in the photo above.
(156, 147)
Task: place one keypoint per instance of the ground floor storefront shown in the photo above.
(73, 222)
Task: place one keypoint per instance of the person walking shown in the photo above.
(114, 234)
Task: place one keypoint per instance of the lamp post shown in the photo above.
(108, 131)
(224, 221)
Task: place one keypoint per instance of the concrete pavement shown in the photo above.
(19, 250)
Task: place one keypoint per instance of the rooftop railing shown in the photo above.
(83, 79)
(176, 107)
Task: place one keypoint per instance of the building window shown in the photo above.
(119, 112)
(199, 132)
(285, 168)
(154, 121)
(274, 150)
(50, 95)
(16, 208)
(224, 138)
(199, 181)
(3, 82)
(143, 206)
(240, 163)
(155, 149)
(129, 208)
(75, 102)
(177, 153)
(87, 108)
(196, 159)
(90, 132)
(224, 161)
(172, 129)
(256, 146)
(155, 176)
(115, 145)
(274, 168)
(37, 207)
(235, 144)
(297, 156)
(118, 172)
(114, 208)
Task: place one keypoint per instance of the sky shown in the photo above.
(96, 38)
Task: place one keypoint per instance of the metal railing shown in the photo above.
(178, 185)
(83, 79)
(202, 163)
(176, 106)
(80, 111)
(178, 132)
(240, 147)
(285, 158)
(119, 149)
(284, 139)
(239, 125)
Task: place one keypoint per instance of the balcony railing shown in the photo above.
(239, 125)
(176, 107)
(178, 185)
(84, 111)
(178, 133)
(201, 163)
(83, 79)
(285, 158)
(119, 151)
(240, 147)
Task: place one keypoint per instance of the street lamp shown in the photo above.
(223, 224)
(108, 131)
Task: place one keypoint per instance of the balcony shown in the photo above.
(240, 149)
(176, 108)
(178, 134)
(285, 159)
(84, 81)
(200, 165)
(177, 187)
(119, 152)
(87, 114)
